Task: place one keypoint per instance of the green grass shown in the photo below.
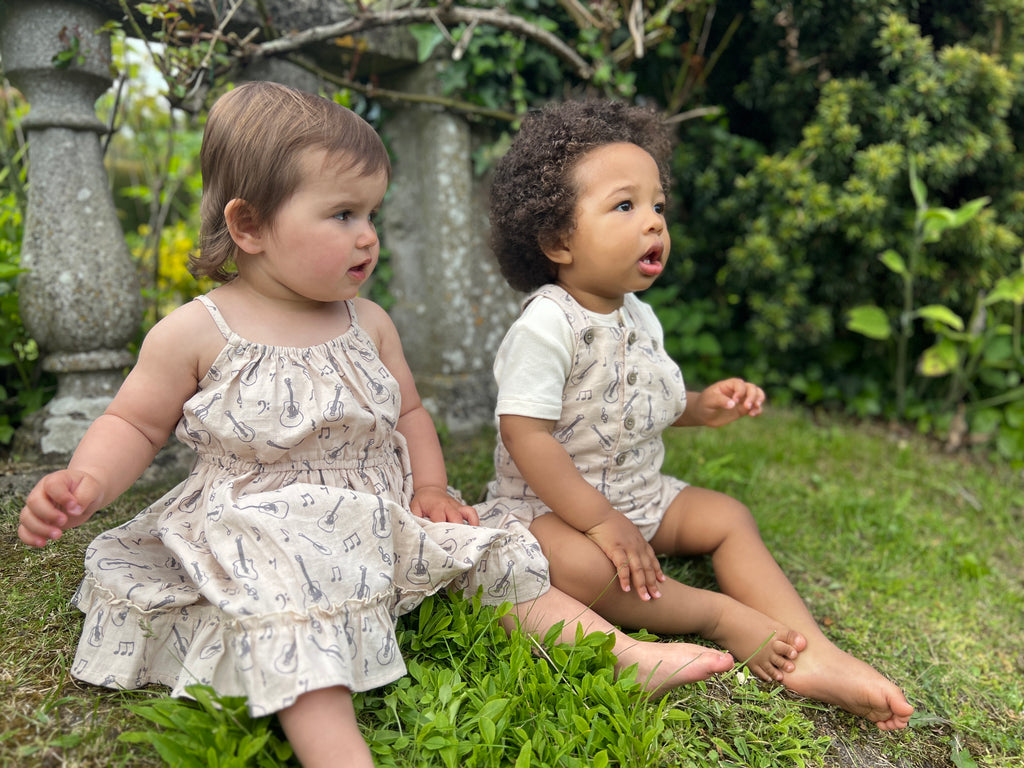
(912, 559)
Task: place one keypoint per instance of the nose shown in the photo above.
(655, 221)
(368, 236)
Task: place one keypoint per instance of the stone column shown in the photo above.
(452, 306)
(80, 296)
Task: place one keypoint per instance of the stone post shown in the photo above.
(80, 296)
(451, 304)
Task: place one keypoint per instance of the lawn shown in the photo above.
(910, 558)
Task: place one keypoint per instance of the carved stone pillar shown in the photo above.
(80, 297)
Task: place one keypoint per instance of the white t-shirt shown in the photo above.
(535, 357)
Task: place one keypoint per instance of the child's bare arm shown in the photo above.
(721, 403)
(122, 442)
(430, 478)
(551, 474)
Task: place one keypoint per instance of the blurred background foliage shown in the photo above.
(847, 211)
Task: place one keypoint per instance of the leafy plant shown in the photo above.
(982, 358)
(930, 224)
(211, 732)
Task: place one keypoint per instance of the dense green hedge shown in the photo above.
(786, 202)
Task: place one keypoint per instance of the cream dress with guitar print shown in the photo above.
(280, 563)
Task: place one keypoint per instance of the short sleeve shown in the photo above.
(533, 362)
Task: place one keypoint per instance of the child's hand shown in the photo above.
(728, 400)
(438, 505)
(634, 560)
(58, 502)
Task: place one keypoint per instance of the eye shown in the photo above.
(625, 206)
(343, 215)
(659, 208)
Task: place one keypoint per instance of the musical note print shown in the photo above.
(125, 648)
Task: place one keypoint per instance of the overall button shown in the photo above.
(620, 459)
(629, 422)
(588, 336)
(632, 337)
(631, 378)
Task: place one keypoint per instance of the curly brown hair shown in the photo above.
(253, 143)
(534, 192)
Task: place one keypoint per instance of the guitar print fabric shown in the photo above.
(280, 564)
(622, 392)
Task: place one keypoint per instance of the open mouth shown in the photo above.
(651, 264)
(362, 270)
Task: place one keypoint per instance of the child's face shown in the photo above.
(323, 244)
(620, 241)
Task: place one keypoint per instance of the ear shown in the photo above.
(242, 224)
(556, 250)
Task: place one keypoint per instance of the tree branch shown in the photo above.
(447, 15)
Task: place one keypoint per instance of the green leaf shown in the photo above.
(894, 262)
(939, 360)
(871, 321)
(427, 37)
(523, 759)
(941, 314)
(1009, 288)
(936, 221)
(968, 211)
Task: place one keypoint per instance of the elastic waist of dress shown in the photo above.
(238, 465)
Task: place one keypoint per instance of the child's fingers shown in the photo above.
(468, 515)
(644, 573)
(34, 532)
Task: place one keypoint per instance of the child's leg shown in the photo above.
(579, 567)
(660, 666)
(700, 521)
(321, 727)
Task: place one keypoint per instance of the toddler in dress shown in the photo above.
(317, 510)
(585, 390)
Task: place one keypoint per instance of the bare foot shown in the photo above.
(662, 666)
(828, 674)
(768, 648)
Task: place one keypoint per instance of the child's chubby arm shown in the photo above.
(722, 403)
(551, 474)
(122, 442)
(430, 499)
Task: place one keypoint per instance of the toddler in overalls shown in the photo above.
(585, 391)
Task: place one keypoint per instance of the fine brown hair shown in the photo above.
(253, 143)
(534, 192)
